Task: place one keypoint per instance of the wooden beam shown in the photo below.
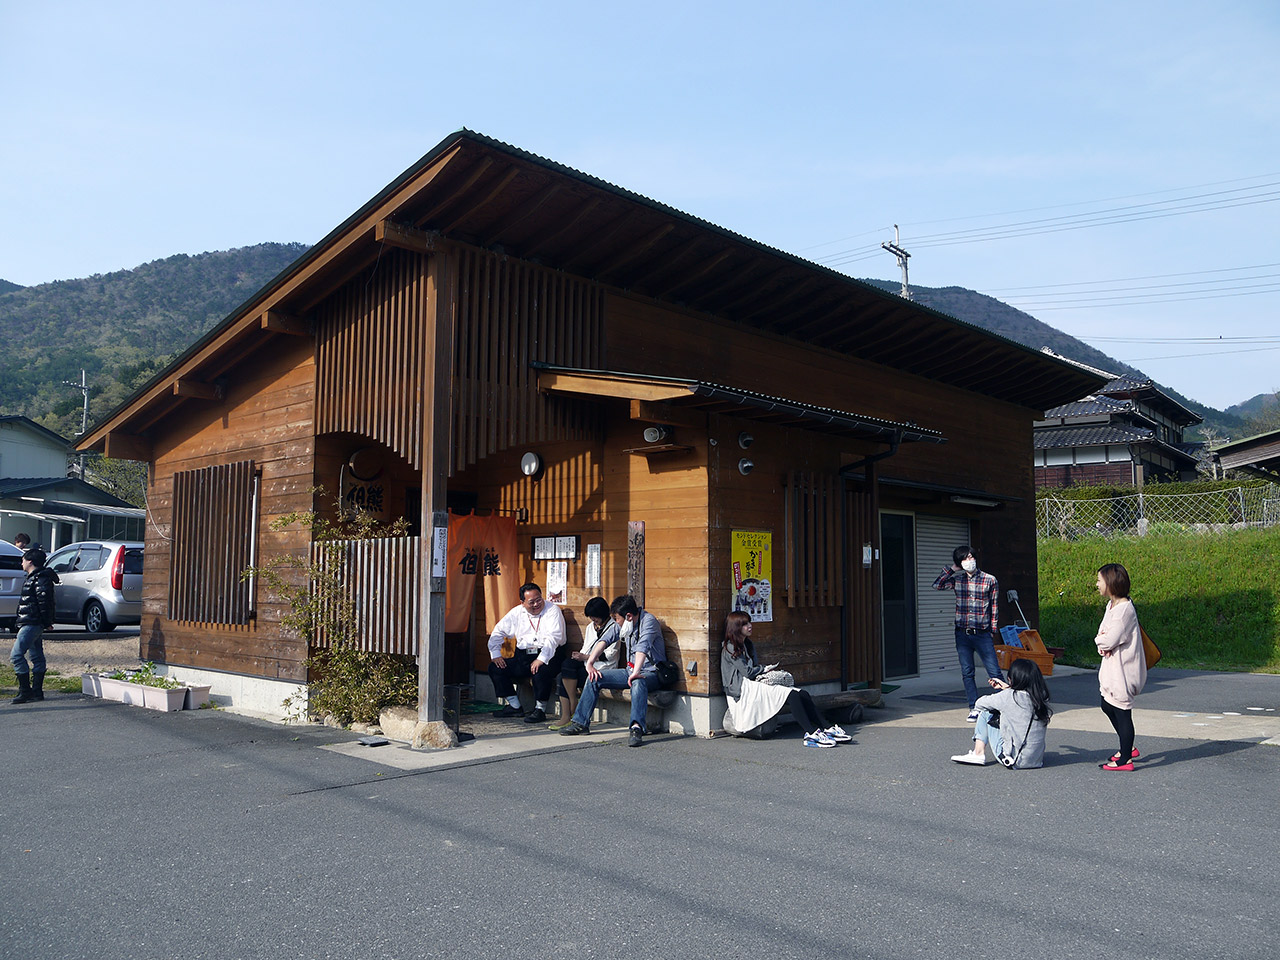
(549, 382)
(126, 446)
(697, 274)
(487, 199)
(555, 234)
(649, 411)
(405, 237)
(276, 322)
(523, 212)
(629, 254)
(452, 194)
(186, 387)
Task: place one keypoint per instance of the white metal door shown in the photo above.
(936, 539)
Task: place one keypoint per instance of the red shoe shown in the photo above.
(1115, 757)
(1111, 765)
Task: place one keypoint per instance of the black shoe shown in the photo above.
(573, 729)
(636, 738)
(24, 689)
(37, 686)
(536, 715)
(508, 711)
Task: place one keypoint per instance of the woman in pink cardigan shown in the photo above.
(1124, 664)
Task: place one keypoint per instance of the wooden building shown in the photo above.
(490, 304)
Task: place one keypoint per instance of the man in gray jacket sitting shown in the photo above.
(645, 650)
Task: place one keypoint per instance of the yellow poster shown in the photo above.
(751, 553)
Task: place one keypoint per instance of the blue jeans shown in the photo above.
(985, 645)
(982, 730)
(28, 642)
(617, 680)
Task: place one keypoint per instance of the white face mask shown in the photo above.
(969, 565)
(627, 629)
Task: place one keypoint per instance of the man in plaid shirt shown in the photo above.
(977, 617)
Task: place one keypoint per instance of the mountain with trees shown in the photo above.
(123, 327)
(1000, 318)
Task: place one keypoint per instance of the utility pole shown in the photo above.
(902, 257)
(83, 387)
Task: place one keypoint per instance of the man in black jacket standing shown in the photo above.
(35, 613)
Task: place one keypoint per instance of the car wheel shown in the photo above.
(8, 626)
(95, 618)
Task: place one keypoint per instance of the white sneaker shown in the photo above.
(837, 734)
(972, 758)
(973, 715)
(818, 739)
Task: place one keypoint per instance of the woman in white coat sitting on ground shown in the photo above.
(752, 702)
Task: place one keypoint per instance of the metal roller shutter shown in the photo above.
(936, 539)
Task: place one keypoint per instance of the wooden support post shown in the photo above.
(436, 417)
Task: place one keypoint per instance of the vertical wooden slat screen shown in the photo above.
(371, 355)
(379, 577)
(509, 314)
(814, 540)
(213, 528)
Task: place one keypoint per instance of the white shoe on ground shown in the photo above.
(837, 734)
(973, 715)
(818, 739)
(972, 758)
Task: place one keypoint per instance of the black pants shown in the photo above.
(1122, 720)
(805, 711)
(519, 666)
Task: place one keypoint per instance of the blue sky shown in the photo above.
(1136, 145)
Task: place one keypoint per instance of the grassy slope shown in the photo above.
(1210, 602)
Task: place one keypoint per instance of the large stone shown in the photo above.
(433, 735)
(398, 723)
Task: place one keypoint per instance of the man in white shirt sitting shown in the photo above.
(538, 628)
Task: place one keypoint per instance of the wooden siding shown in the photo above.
(266, 417)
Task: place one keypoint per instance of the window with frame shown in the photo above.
(215, 536)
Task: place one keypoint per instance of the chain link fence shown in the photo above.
(1137, 514)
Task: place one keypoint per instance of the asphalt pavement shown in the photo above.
(132, 834)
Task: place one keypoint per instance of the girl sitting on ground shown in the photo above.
(1022, 704)
(751, 703)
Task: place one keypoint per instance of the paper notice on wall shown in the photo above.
(751, 555)
(558, 581)
(593, 566)
(439, 551)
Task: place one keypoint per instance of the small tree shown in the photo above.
(348, 684)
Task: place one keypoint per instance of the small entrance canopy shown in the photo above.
(715, 398)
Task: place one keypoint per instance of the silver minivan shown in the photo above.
(100, 584)
(11, 577)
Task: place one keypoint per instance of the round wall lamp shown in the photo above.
(531, 465)
(656, 434)
(745, 439)
(745, 466)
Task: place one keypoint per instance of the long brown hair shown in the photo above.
(734, 638)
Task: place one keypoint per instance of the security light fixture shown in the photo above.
(745, 466)
(656, 433)
(531, 465)
(745, 439)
